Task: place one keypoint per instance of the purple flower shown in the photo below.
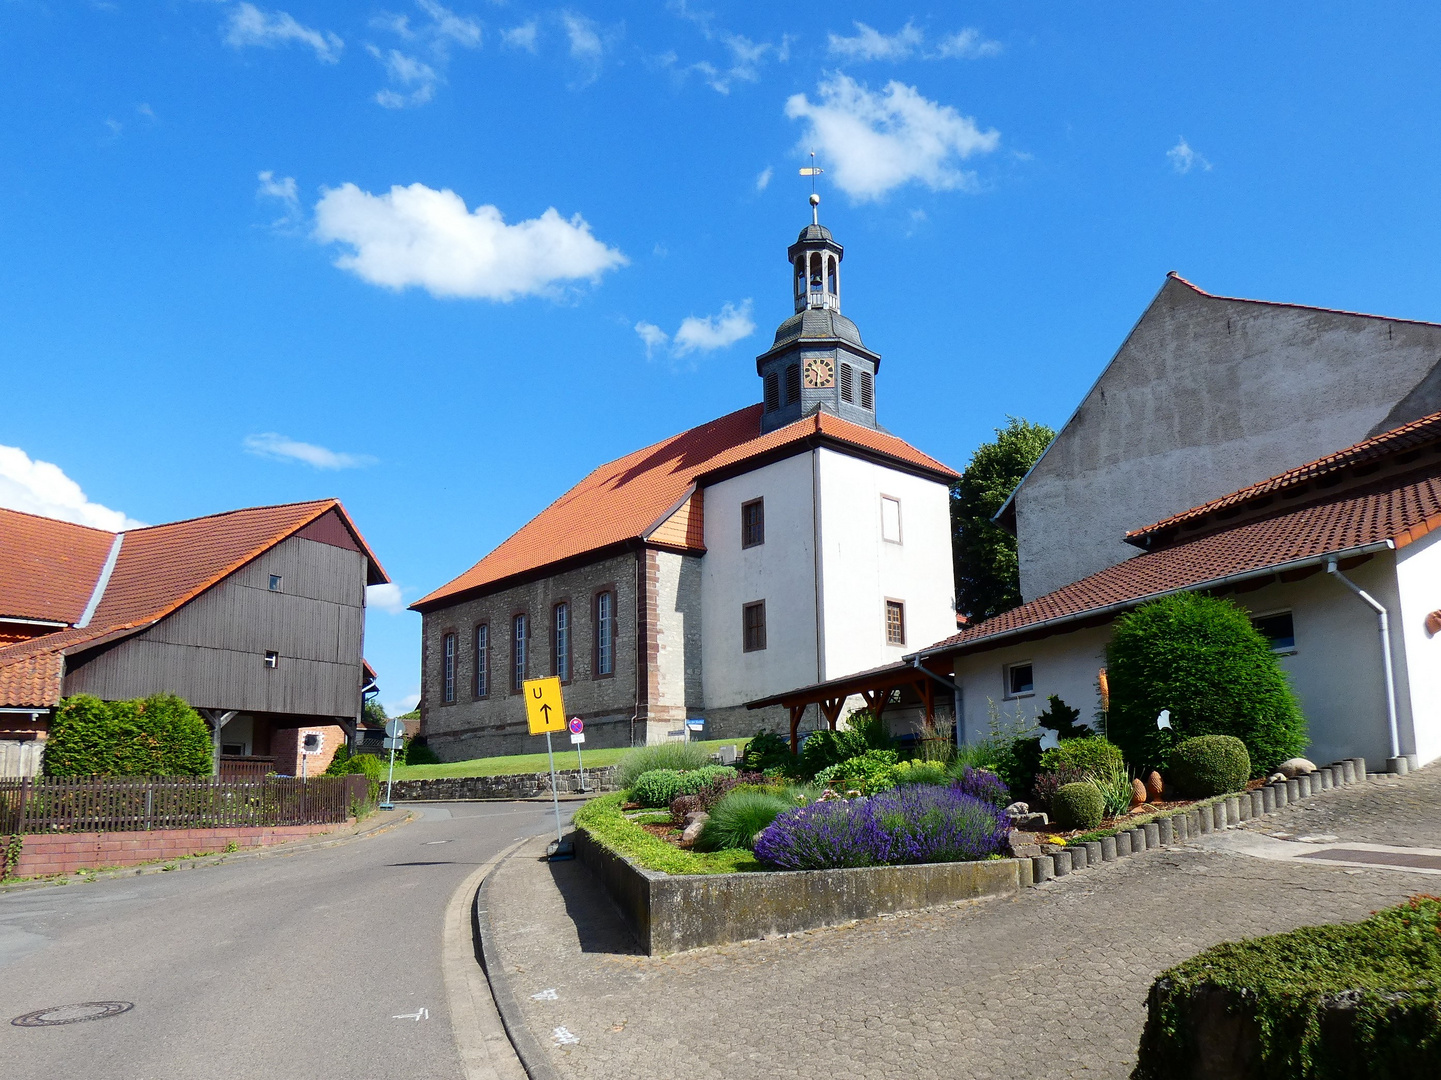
(984, 785)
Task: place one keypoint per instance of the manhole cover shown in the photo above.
(72, 1014)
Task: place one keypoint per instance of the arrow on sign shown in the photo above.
(545, 711)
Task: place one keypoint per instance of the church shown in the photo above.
(786, 543)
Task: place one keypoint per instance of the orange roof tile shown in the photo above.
(47, 567)
(159, 569)
(625, 499)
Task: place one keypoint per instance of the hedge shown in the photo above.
(155, 736)
(1210, 765)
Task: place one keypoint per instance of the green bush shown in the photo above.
(1199, 657)
(918, 772)
(678, 756)
(337, 763)
(368, 766)
(822, 749)
(1210, 765)
(1114, 784)
(661, 787)
(868, 773)
(870, 731)
(739, 818)
(1078, 806)
(1090, 754)
(156, 736)
(766, 751)
(418, 752)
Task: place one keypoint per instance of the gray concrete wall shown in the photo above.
(1205, 396)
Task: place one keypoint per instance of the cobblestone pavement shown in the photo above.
(1050, 983)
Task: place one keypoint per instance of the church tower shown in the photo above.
(817, 360)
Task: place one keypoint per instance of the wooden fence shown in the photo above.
(246, 768)
(46, 804)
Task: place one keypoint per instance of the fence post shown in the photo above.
(24, 798)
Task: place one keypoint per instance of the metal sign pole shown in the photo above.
(581, 760)
(554, 795)
(389, 783)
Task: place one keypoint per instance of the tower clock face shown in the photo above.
(820, 372)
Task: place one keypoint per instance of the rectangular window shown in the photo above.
(890, 519)
(753, 523)
(560, 642)
(895, 622)
(848, 389)
(1018, 680)
(1278, 629)
(753, 618)
(447, 669)
(272, 659)
(275, 582)
(605, 633)
(868, 395)
(517, 653)
(482, 660)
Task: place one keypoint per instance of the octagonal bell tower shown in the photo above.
(817, 360)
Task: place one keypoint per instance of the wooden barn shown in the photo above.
(256, 617)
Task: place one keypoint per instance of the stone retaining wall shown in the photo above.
(510, 786)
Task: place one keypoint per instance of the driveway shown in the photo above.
(311, 965)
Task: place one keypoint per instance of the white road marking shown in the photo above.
(563, 1037)
(545, 995)
(418, 1015)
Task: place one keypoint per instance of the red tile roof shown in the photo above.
(1417, 435)
(159, 569)
(47, 567)
(1398, 510)
(625, 499)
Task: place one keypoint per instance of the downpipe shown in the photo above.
(1397, 763)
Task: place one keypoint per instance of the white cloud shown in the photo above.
(282, 188)
(419, 236)
(415, 78)
(967, 44)
(446, 25)
(700, 333)
(38, 487)
(522, 36)
(871, 44)
(403, 705)
(283, 448)
(764, 179)
(585, 43)
(879, 140)
(249, 25)
(1183, 159)
(385, 597)
(745, 56)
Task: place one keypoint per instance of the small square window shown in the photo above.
(753, 523)
(1019, 681)
(754, 621)
(1278, 629)
(275, 582)
(890, 519)
(272, 658)
(895, 622)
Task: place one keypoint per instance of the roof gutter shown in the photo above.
(1123, 605)
(101, 582)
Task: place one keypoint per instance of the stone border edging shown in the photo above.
(1213, 815)
(531, 1054)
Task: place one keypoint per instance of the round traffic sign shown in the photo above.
(395, 728)
(576, 727)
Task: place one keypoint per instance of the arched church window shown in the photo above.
(793, 384)
(868, 391)
(817, 275)
(848, 389)
(831, 271)
(773, 391)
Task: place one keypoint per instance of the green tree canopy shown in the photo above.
(374, 712)
(156, 736)
(987, 573)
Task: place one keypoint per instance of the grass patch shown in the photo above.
(527, 763)
(603, 820)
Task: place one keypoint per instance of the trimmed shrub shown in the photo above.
(1078, 806)
(418, 752)
(739, 818)
(155, 736)
(984, 785)
(660, 787)
(1199, 657)
(677, 756)
(1089, 754)
(767, 751)
(1210, 765)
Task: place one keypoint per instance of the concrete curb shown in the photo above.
(195, 862)
(532, 1055)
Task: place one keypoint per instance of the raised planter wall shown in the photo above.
(510, 786)
(673, 913)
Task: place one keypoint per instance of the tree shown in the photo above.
(374, 712)
(988, 579)
(156, 736)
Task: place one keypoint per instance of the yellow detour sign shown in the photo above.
(543, 707)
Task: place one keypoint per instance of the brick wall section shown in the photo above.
(285, 748)
(514, 786)
(65, 853)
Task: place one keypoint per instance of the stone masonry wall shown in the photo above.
(513, 786)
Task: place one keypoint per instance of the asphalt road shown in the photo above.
(310, 965)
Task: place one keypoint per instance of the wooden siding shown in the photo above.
(686, 527)
(211, 652)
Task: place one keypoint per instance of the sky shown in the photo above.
(441, 261)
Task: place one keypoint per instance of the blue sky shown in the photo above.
(440, 261)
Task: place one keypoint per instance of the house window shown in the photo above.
(1278, 629)
(793, 384)
(560, 642)
(868, 390)
(890, 519)
(232, 749)
(753, 617)
(895, 622)
(1018, 680)
(753, 523)
(447, 668)
(848, 389)
(517, 653)
(773, 391)
(605, 633)
(275, 582)
(482, 660)
(272, 659)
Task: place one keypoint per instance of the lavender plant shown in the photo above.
(984, 785)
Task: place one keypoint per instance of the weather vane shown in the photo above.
(813, 171)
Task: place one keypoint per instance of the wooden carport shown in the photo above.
(874, 686)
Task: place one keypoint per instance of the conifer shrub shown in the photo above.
(1199, 657)
(159, 735)
(1078, 806)
(1210, 765)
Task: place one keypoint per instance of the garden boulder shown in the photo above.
(1294, 767)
